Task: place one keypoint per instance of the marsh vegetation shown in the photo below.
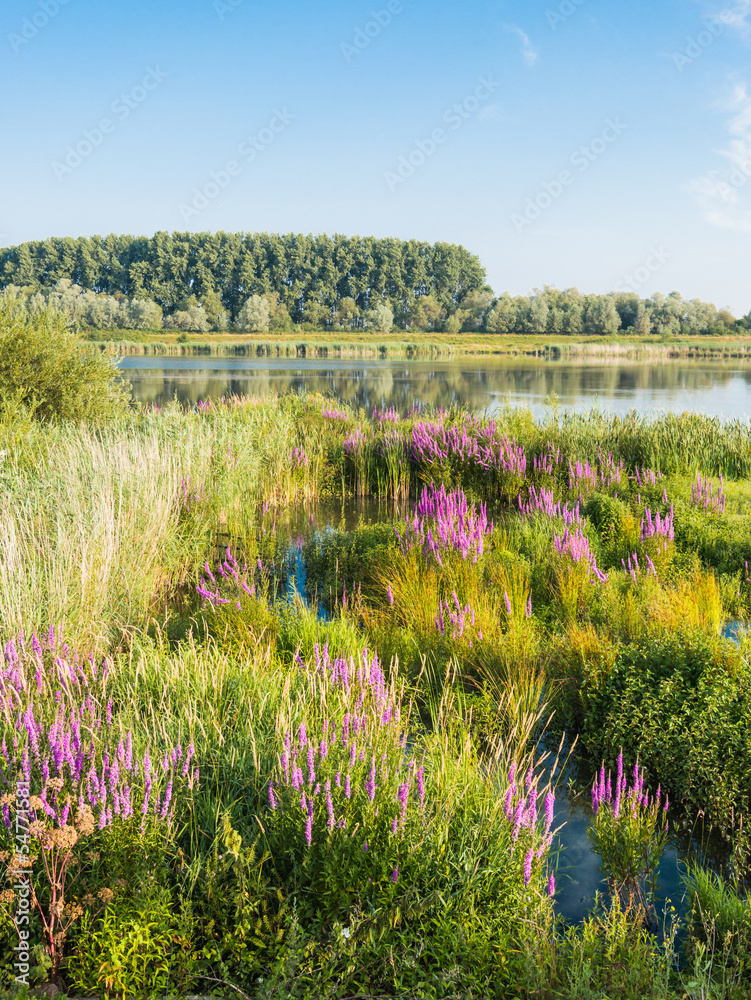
(351, 790)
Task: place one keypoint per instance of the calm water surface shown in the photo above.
(718, 388)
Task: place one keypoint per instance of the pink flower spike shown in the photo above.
(528, 866)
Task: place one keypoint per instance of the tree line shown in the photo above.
(264, 282)
(310, 275)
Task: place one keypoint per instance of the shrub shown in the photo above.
(681, 703)
(47, 369)
(193, 318)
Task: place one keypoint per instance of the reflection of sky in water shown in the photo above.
(714, 388)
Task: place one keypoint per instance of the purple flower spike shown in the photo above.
(528, 866)
(421, 784)
(549, 807)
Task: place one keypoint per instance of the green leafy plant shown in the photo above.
(132, 950)
(49, 370)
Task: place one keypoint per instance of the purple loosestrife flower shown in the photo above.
(508, 602)
(518, 819)
(329, 806)
(167, 799)
(421, 785)
(551, 885)
(347, 786)
(272, 799)
(528, 866)
(370, 784)
(395, 875)
(532, 808)
(549, 807)
(403, 797)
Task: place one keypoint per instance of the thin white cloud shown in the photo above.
(529, 54)
(490, 113)
(736, 16)
(724, 195)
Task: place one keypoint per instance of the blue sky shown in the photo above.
(590, 143)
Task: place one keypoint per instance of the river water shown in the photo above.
(717, 388)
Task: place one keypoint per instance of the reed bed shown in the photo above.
(100, 528)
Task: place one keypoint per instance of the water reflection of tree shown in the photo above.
(471, 381)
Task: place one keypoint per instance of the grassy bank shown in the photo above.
(261, 798)
(321, 344)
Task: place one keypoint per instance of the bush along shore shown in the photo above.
(210, 783)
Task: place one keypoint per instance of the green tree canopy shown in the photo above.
(222, 270)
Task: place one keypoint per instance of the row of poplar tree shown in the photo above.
(262, 281)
